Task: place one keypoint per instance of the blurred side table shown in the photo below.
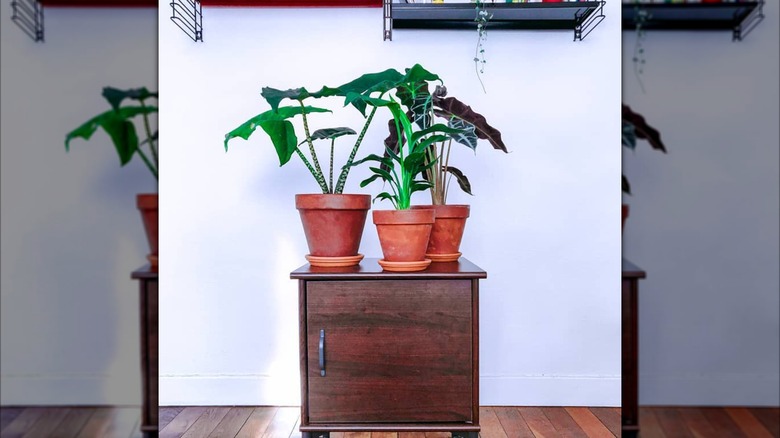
(147, 281)
(630, 344)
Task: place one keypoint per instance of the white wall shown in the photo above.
(71, 233)
(704, 217)
(545, 219)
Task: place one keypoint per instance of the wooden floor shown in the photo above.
(497, 422)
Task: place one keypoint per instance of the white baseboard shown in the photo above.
(69, 389)
(710, 389)
(549, 390)
(265, 390)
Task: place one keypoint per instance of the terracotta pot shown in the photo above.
(147, 204)
(625, 215)
(333, 225)
(447, 233)
(403, 235)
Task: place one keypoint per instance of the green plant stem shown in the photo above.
(476, 65)
(152, 147)
(318, 175)
(444, 180)
(332, 146)
(345, 170)
(148, 163)
(320, 181)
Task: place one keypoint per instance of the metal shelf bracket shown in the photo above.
(28, 15)
(188, 16)
(748, 23)
(584, 27)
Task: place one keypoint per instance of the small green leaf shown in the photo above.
(331, 133)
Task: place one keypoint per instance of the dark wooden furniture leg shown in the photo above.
(148, 295)
(630, 347)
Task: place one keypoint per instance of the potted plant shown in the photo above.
(333, 222)
(404, 232)
(635, 127)
(119, 123)
(471, 126)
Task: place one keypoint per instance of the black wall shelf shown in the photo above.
(580, 16)
(740, 17)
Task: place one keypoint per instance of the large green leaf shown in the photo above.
(115, 96)
(467, 136)
(367, 84)
(450, 107)
(418, 74)
(278, 128)
(117, 124)
(274, 96)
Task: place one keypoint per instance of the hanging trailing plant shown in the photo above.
(641, 17)
(482, 18)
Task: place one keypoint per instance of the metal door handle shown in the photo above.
(322, 352)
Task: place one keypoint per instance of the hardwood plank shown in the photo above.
(123, 420)
(770, 418)
(589, 423)
(74, 421)
(671, 423)
(206, 423)
(341, 435)
(296, 432)
(137, 430)
(488, 420)
(257, 423)
(282, 424)
(182, 422)
(648, 424)
(563, 423)
(435, 435)
(722, 422)
(359, 435)
(97, 424)
(697, 423)
(232, 422)
(538, 422)
(748, 423)
(609, 417)
(7, 415)
(384, 435)
(167, 413)
(512, 422)
(23, 422)
(47, 423)
(406, 435)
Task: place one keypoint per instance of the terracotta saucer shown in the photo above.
(334, 262)
(444, 257)
(404, 266)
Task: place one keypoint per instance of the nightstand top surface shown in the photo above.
(144, 272)
(631, 270)
(369, 269)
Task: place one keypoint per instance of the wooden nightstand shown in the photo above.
(388, 351)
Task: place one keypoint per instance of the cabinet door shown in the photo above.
(394, 350)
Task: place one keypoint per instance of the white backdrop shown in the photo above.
(71, 233)
(704, 217)
(545, 220)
